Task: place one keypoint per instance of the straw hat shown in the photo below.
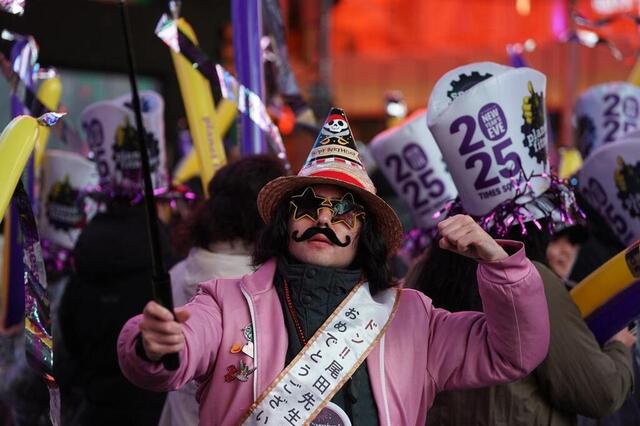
(334, 160)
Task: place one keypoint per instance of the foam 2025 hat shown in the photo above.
(113, 141)
(610, 182)
(65, 207)
(489, 121)
(411, 161)
(605, 113)
(334, 160)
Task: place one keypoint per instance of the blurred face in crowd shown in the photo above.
(562, 255)
(324, 226)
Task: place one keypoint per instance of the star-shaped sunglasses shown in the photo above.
(344, 210)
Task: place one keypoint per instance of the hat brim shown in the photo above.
(388, 222)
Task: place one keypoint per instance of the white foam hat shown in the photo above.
(112, 136)
(457, 81)
(412, 163)
(65, 207)
(605, 113)
(610, 181)
(489, 122)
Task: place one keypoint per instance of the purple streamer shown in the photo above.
(246, 20)
(26, 256)
(37, 328)
(417, 240)
(38, 324)
(58, 260)
(558, 203)
(15, 300)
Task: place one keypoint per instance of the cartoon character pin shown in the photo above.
(241, 374)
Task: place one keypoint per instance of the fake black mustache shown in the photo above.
(314, 230)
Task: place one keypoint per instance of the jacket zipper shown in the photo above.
(383, 382)
(255, 341)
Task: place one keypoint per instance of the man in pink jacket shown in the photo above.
(288, 343)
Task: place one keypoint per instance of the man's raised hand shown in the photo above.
(462, 235)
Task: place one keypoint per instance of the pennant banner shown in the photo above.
(248, 102)
(207, 125)
(28, 98)
(285, 78)
(37, 320)
(11, 288)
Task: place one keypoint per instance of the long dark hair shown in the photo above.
(371, 255)
(231, 212)
(449, 279)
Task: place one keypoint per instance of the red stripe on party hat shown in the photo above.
(333, 174)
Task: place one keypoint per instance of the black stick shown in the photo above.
(160, 279)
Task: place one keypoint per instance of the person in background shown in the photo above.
(563, 250)
(601, 243)
(223, 230)
(112, 280)
(577, 377)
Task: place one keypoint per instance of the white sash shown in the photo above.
(327, 361)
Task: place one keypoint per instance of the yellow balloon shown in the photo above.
(201, 114)
(634, 75)
(187, 168)
(608, 280)
(49, 94)
(17, 141)
(570, 162)
(226, 112)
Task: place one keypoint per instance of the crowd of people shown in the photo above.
(289, 309)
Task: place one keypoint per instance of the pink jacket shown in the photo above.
(425, 350)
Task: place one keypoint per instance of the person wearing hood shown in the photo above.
(112, 280)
